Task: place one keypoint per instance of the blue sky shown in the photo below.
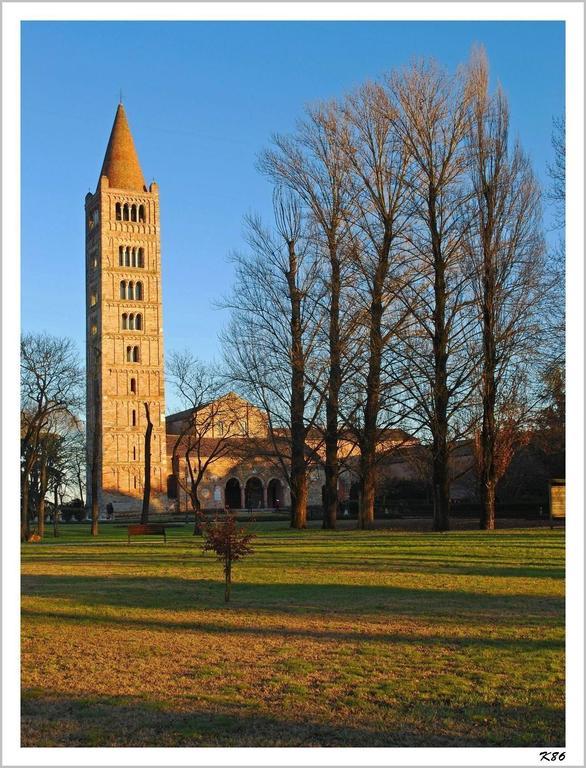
(203, 99)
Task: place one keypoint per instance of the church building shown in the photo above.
(125, 370)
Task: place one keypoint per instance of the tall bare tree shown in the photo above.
(429, 112)
(378, 160)
(505, 248)
(269, 348)
(207, 427)
(50, 388)
(313, 165)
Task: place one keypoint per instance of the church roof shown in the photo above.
(121, 164)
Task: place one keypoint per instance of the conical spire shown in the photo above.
(121, 164)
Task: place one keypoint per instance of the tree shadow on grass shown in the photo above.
(172, 593)
(444, 641)
(127, 721)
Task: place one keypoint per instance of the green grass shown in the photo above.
(345, 638)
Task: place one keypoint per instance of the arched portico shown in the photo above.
(254, 493)
(275, 493)
(233, 494)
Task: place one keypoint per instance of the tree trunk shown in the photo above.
(372, 405)
(228, 570)
(55, 513)
(24, 511)
(441, 480)
(144, 518)
(95, 459)
(367, 493)
(299, 499)
(196, 504)
(43, 482)
(298, 482)
(332, 403)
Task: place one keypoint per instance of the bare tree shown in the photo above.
(505, 249)
(312, 164)
(50, 376)
(269, 348)
(430, 109)
(207, 427)
(378, 161)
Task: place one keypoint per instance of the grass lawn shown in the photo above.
(348, 638)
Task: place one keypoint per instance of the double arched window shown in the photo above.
(128, 212)
(130, 257)
(132, 354)
(131, 290)
(132, 321)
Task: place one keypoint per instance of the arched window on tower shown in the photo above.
(124, 321)
(118, 212)
(131, 321)
(125, 212)
(138, 292)
(127, 257)
(138, 322)
(133, 261)
(130, 291)
(123, 289)
(128, 354)
(133, 418)
(134, 452)
(133, 213)
(120, 256)
(136, 355)
(141, 214)
(133, 385)
(140, 261)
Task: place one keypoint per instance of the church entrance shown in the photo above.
(275, 494)
(253, 493)
(232, 494)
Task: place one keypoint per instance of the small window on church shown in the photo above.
(138, 322)
(134, 482)
(123, 289)
(134, 453)
(136, 355)
(133, 213)
(140, 257)
(124, 321)
(133, 418)
(125, 212)
(131, 321)
(138, 292)
(141, 216)
(128, 354)
(120, 256)
(133, 263)
(127, 257)
(133, 386)
(118, 212)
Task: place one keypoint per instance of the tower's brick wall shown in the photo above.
(125, 384)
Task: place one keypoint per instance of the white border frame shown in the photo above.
(13, 14)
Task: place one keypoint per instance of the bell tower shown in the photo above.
(124, 329)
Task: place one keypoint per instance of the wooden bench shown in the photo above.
(150, 529)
